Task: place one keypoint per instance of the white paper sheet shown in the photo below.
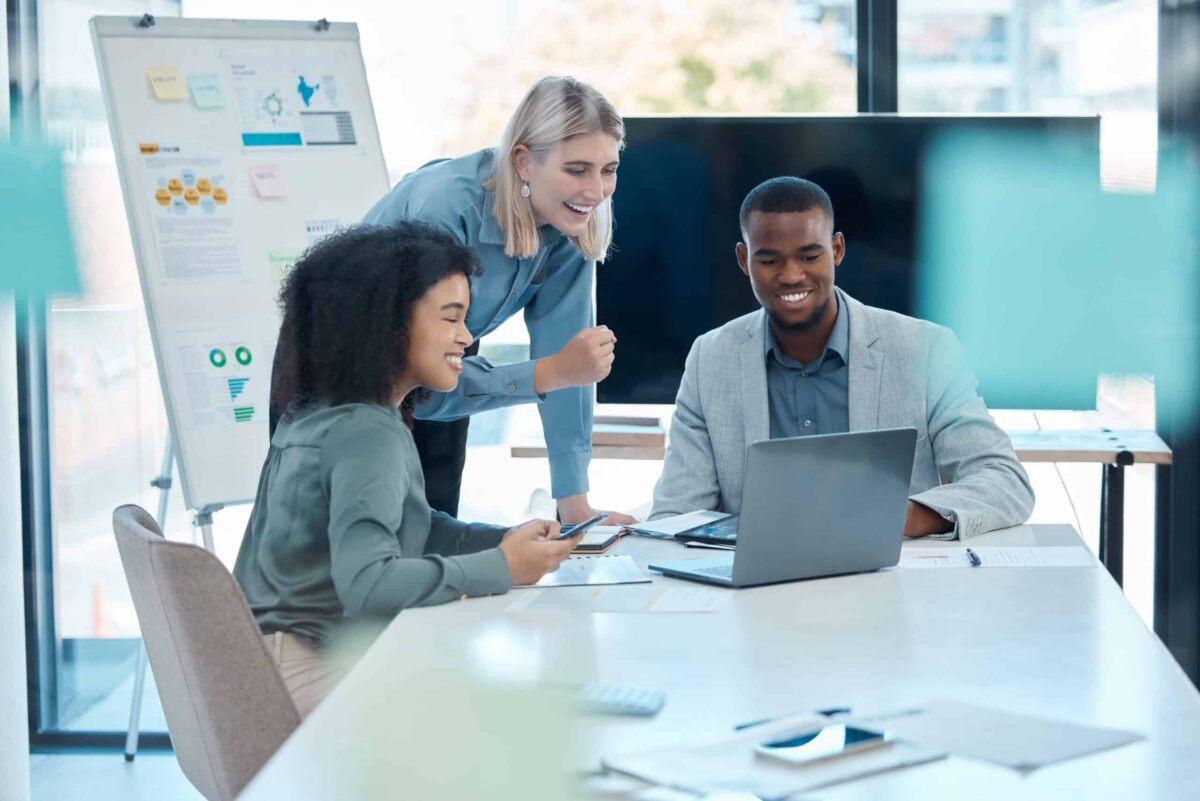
(316, 230)
(998, 556)
(1017, 741)
(227, 377)
(194, 212)
(622, 599)
(588, 569)
(289, 104)
(730, 765)
(670, 526)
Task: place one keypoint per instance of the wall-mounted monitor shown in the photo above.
(673, 275)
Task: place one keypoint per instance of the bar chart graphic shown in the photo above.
(236, 387)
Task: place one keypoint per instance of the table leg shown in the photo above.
(1112, 520)
(1162, 548)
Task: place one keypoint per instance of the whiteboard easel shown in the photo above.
(238, 143)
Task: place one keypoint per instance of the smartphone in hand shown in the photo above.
(570, 531)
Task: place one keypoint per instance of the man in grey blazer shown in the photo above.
(814, 360)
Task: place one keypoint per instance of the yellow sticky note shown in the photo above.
(167, 83)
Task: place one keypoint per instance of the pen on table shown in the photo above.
(974, 557)
(837, 710)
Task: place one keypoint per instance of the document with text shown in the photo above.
(997, 556)
(654, 598)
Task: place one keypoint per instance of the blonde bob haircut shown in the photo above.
(553, 111)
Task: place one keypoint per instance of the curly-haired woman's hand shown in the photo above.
(532, 550)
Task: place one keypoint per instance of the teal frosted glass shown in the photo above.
(1049, 281)
(36, 254)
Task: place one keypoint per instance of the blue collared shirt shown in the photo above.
(806, 399)
(553, 288)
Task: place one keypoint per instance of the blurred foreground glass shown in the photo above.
(433, 734)
(1049, 281)
(39, 257)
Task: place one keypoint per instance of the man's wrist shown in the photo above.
(574, 508)
(545, 376)
(921, 520)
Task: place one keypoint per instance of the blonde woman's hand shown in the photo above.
(586, 359)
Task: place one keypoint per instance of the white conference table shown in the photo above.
(1057, 642)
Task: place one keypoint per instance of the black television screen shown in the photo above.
(672, 273)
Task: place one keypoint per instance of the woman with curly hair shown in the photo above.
(538, 212)
(340, 529)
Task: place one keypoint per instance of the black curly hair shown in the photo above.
(346, 310)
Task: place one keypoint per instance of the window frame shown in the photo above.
(33, 411)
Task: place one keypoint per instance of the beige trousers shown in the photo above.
(308, 673)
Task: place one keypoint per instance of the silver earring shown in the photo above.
(524, 189)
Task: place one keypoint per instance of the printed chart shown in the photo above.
(289, 106)
(225, 379)
(195, 219)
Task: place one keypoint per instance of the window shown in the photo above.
(1041, 56)
(106, 421)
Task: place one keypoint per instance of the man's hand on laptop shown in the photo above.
(922, 520)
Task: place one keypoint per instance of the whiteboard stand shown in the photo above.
(202, 519)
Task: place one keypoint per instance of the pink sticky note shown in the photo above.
(268, 181)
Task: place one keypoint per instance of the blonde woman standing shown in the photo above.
(537, 212)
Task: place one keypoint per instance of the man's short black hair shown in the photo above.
(784, 194)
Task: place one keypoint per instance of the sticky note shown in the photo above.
(167, 83)
(268, 181)
(281, 261)
(38, 253)
(206, 90)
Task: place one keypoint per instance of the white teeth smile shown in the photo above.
(455, 361)
(580, 209)
(796, 297)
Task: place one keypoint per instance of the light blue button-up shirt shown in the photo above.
(554, 288)
(806, 399)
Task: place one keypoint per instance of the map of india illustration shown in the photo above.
(306, 91)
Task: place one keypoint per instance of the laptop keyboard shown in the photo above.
(720, 571)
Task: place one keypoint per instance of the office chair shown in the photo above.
(226, 705)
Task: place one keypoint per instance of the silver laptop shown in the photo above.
(815, 506)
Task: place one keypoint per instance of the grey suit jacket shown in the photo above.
(903, 372)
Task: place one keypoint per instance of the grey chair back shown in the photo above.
(226, 705)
